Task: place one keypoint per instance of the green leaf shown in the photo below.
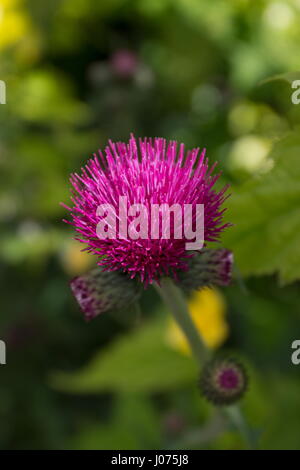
(287, 77)
(266, 214)
(140, 361)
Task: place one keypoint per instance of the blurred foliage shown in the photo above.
(271, 229)
(78, 72)
(139, 362)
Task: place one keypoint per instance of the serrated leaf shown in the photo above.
(266, 214)
(141, 361)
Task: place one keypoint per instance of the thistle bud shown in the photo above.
(99, 291)
(223, 381)
(206, 268)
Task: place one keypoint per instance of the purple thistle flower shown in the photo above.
(124, 63)
(150, 172)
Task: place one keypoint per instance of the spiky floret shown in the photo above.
(150, 172)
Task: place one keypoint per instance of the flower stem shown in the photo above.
(176, 303)
(174, 299)
(235, 416)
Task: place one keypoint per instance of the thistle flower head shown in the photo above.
(223, 381)
(148, 172)
(124, 63)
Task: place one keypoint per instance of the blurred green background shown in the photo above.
(78, 72)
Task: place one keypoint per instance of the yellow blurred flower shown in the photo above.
(16, 29)
(8, 3)
(75, 261)
(13, 23)
(207, 308)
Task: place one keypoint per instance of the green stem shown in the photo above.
(176, 303)
(235, 416)
(174, 299)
